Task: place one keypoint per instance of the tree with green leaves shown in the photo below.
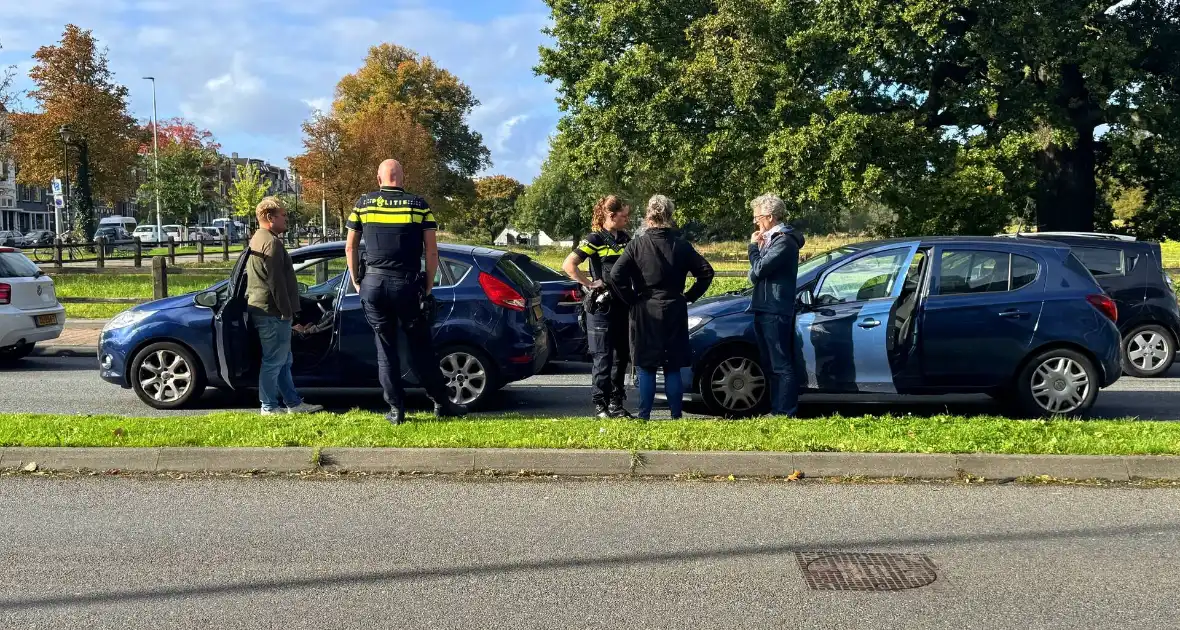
(558, 201)
(187, 173)
(955, 115)
(247, 190)
(492, 208)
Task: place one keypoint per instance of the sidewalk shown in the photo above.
(79, 339)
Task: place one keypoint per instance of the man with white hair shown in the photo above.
(774, 265)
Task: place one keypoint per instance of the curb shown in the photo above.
(65, 351)
(86, 324)
(593, 463)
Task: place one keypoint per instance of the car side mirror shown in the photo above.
(804, 298)
(207, 299)
(303, 287)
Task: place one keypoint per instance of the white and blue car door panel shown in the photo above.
(843, 334)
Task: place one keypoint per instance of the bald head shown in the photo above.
(390, 173)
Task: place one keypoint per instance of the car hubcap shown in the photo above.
(466, 377)
(1148, 350)
(738, 384)
(165, 376)
(1060, 385)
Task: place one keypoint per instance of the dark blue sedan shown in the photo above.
(1021, 320)
(489, 331)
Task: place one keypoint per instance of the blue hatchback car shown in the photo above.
(489, 331)
(1021, 320)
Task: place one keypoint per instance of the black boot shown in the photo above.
(616, 410)
(395, 416)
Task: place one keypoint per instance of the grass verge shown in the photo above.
(883, 434)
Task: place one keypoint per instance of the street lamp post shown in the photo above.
(156, 156)
(324, 206)
(65, 190)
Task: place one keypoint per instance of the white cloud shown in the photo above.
(504, 132)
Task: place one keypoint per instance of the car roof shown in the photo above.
(335, 248)
(1081, 240)
(957, 240)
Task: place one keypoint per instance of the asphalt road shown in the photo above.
(382, 553)
(72, 386)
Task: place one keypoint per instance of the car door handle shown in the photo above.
(1013, 314)
(869, 323)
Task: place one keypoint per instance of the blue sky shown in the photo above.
(252, 70)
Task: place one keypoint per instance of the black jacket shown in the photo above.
(650, 277)
(773, 273)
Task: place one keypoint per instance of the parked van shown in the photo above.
(127, 223)
(148, 234)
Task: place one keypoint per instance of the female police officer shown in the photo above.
(606, 315)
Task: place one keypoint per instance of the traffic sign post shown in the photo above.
(56, 187)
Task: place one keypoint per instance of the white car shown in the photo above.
(147, 234)
(29, 310)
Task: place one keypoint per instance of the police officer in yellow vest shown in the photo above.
(607, 328)
(398, 228)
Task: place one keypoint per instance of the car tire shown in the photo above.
(1148, 351)
(182, 374)
(730, 384)
(468, 373)
(1057, 382)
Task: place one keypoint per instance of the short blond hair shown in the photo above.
(268, 207)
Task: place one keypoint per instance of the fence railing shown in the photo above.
(160, 270)
(99, 252)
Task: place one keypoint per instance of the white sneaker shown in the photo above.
(272, 412)
(305, 408)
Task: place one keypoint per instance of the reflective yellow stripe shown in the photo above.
(353, 218)
(611, 252)
(392, 218)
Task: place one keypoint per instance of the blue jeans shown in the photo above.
(274, 377)
(776, 341)
(673, 388)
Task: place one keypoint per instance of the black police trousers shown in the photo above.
(392, 302)
(609, 339)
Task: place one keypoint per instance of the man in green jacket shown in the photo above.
(272, 298)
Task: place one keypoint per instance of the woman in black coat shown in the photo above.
(650, 277)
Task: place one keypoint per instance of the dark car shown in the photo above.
(1021, 320)
(489, 331)
(38, 237)
(562, 301)
(1132, 273)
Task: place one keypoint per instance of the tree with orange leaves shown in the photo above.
(341, 156)
(75, 87)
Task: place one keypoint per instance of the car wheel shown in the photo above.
(469, 375)
(1148, 351)
(733, 384)
(1058, 382)
(167, 376)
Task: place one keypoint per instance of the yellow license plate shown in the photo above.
(47, 320)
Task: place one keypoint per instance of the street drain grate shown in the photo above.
(833, 571)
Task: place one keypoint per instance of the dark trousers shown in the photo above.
(391, 302)
(776, 342)
(608, 338)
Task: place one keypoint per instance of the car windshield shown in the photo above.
(813, 263)
(17, 265)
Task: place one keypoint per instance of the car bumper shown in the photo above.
(527, 359)
(113, 356)
(18, 327)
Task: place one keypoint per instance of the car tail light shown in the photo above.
(500, 293)
(572, 297)
(1106, 305)
(5, 293)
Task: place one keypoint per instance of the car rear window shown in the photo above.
(965, 272)
(1024, 271)
(518, 277)
(1075, 265)
(457, 269)
(17, 265)
(1102, 261)
(537, 271)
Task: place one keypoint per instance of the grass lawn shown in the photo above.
(122, 286)
(885, 434)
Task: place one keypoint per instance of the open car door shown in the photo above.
(846, 333)
(231, 330)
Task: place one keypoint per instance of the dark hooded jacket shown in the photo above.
(773, 273)
(650, 277)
